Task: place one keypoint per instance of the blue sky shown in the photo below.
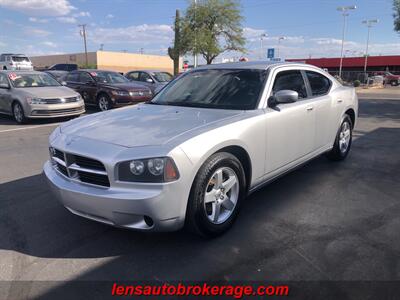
(310, 27)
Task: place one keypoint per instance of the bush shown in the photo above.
(356, 83)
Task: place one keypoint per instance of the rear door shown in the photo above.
(289, 127)
(320, 87)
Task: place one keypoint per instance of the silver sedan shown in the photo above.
(192, 155)
(29, 94)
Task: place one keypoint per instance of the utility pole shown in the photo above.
(344, 10)
(83, 34)
(369, 24)
(101, 47)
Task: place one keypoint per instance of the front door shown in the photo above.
(289, 127)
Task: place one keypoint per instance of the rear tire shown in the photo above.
(18, 113)
(216, 195)
(394, 83)
(342, 145)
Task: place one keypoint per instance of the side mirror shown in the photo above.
(64, 83)
(149, 80)
(284, 96)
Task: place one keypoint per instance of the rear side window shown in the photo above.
(20, 59)
(319, 84)
(290, 80)
(73, 77)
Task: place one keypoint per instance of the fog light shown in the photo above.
(149, 221)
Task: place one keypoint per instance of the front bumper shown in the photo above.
(120, 207)
(54, 110)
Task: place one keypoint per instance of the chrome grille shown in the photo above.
(80, 168)
(61, 100)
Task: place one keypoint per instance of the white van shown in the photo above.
(9, 61)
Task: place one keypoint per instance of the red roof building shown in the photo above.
(375, 63)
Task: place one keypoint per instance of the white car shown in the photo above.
(14, 62)
(206, 141)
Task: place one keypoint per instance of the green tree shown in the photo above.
(396, 15)
(211, 27)
(178, 49)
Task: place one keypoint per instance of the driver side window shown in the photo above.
(144, 76)
(290, 80)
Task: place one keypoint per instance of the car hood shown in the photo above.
(129, 86)
(49, 92)
(144, 124)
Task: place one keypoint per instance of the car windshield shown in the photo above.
(109, 77)
(20, 59)
(215, 88)
(32, 80)
(162, 76)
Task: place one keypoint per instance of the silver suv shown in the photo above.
(9, 61)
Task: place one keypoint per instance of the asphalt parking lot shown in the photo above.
(325, 221)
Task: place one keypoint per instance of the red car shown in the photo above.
(389, 78)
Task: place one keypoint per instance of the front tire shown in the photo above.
(394, 83)
(104, 102)
(18, 113)
(343, 140)
(216, 194)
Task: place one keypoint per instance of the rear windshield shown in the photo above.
(20, 59)
(32, 80)
(215, 88)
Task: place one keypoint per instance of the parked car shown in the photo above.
(106, 89)
(63, 67)
(153, 79)
(206, 141)
(31, 94)
(9, 61)
(389, 78)
(57, 75)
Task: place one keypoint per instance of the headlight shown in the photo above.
(119, 93)
(36, 101)
(140, 93)
(159, 169)
(78, 98)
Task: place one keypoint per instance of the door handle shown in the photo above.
(310, 108)
(339, 101)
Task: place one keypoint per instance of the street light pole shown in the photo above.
(369, 24)
(344, 10)
(83, 33)
(195, 36)
(281, 38)
(262, 36)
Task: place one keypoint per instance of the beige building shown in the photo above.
(106, 60)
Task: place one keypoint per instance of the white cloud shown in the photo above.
(37, 20)
(82, 14)
(142, 34)
(109, 16)
(50, 44)
(36, 32)
(67, 20)
(39, 7)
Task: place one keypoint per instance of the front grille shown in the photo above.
(61, 100)
(89, 163)
(80, 168)
(56, 111)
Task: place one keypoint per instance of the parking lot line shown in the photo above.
(31, 127)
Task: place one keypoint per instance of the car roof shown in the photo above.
(258, 65)
(20, 72)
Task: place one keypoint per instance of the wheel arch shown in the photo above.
(351, 113)
(243, 156)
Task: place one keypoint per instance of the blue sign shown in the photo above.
(271, 53)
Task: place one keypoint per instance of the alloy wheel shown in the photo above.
(221, 196)
(18, 114)
(344, 137)
(103, 103)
